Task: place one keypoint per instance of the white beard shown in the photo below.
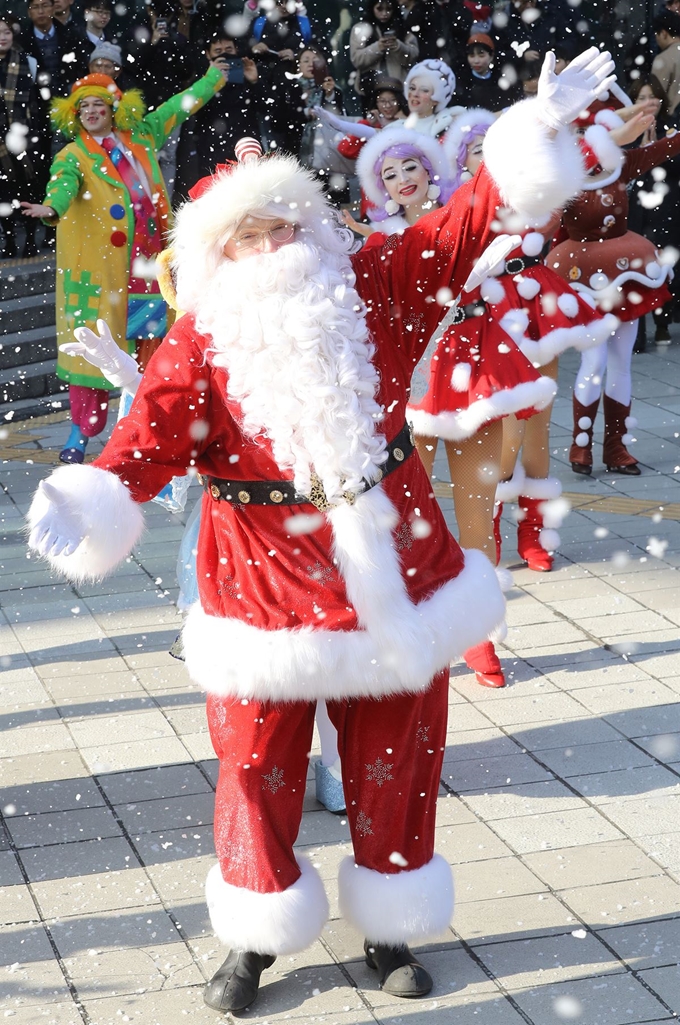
(289, 328)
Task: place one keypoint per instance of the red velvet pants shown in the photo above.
(391, 752)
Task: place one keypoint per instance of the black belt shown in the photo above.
(474, 309)
(517, 264)
(282, 492)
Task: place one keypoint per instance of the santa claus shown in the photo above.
(325, 568)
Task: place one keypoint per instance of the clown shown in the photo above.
(107, 197)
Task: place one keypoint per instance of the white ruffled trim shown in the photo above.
(284, 922)
(579, 337)
(536, 172)
(611, 293)
(400, 907)
(111, 520)
(462, 424)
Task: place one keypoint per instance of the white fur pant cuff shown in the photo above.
(268, 923)
(402, 907)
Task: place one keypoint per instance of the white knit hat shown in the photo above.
(396, 135)
(439, 75)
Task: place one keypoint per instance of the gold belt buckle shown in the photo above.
(317, 495)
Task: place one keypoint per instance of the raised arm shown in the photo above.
(533, 167)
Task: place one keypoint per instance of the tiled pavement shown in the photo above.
(559, 807)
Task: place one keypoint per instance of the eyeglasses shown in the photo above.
(255, 239)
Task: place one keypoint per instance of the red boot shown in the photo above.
(536, 539)
(616, 456)
(581, 451)
(486, 665)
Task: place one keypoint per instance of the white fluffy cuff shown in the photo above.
(111, 520)
(536, 172)
(268, 923)
(402, 907)
(541, 487)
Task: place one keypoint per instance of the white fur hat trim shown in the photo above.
(397, 135)
(274, 182)
(460, 127)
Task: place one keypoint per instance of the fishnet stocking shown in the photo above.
(474, 467)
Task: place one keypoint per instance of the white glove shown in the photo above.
(491, 259)
(57, 531)
(101, 351)
(562, 97)
(343, 124)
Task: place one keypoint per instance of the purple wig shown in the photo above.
(470, 135)
(402, 151)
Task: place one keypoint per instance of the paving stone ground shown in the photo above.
(559, 804)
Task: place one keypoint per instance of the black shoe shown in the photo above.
(580, 468)
(234, 985)
(631, 470)
(399, 971)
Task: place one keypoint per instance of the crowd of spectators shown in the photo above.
(282, 58)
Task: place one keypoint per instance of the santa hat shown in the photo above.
(128, 107)
(372, 154)
(440, 77)
(258, 185)
(598, 113)
(465, 127)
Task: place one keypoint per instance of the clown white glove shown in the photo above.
(491, 260)
(343, 124)
(57, 531)
(562, 97)
(101, 351)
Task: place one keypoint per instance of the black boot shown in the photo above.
(234, 985)
(399, 971)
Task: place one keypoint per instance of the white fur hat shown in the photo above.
(396, 135)
(459, 128)
(274, 185)
(441, 77)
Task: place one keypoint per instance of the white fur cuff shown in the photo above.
(546, 488)
(402, 907)
(268, 923)
(111, 520)
(536, 172)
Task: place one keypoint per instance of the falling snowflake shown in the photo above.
(230, 587)
(379, 772)
(423, 734)
(403, 537)
(363, 824)
(273, 781)
(321, 573)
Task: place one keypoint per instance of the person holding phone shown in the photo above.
(234, 112)
(380, 45)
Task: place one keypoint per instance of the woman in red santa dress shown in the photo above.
(324, 565)
(472, 374)
(620, 272)
(545, 317)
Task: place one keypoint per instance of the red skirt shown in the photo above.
(475, 375)
(545, 316)
(623, 275)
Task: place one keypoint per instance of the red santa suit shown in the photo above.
(365, 608)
